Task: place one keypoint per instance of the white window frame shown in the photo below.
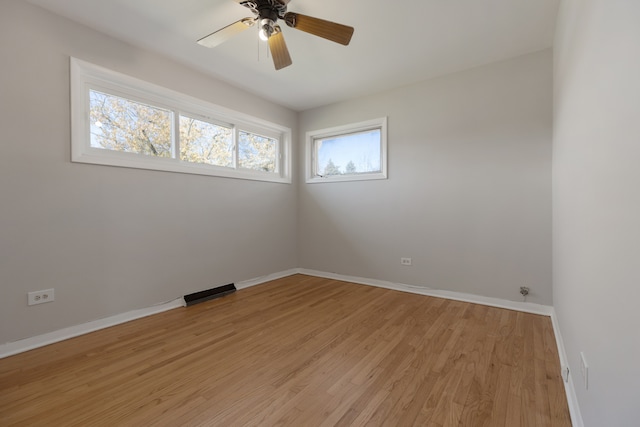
(85, 77)
(312, 175)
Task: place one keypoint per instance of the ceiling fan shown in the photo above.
(267, 13)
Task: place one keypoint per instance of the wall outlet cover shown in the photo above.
(40, 297)
(584, 370)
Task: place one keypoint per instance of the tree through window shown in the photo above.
(348, 153)
(120, 124)
(203, 142)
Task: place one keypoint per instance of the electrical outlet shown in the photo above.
(40, 297)
(584, 370)
(405, 261)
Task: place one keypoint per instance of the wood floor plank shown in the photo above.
(298, 351)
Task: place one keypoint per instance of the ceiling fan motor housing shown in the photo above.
(268, 12)
(267, 9)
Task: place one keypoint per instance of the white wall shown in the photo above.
(469, 189)
(110, 240)
(596, 196)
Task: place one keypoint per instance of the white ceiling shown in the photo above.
(395, 42)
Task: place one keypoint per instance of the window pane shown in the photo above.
(122, 125)
(349, 154)
(203, 142)
(256, 152)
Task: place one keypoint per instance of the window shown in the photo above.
(348, 153)
(257, 152)
(122, 121)
(204, 142)
(120, 124)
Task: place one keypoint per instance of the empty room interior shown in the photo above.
(415, 213)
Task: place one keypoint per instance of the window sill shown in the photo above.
(134, 161)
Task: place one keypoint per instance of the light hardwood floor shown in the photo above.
(299, 351)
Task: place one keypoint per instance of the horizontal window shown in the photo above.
(348, 153)
(120, 124)
(257, 152)
(204, 142)
(122, 121)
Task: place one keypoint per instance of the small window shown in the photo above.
(120, 124)
(121, 121)
(348, 153)
(204, 142)
(257, 152)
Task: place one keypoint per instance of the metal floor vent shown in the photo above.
(209, 294)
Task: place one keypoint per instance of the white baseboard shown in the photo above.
(569, 388)
(16, 347)
(263, 279)
(31, 343)
(527, 307)
(11, 348)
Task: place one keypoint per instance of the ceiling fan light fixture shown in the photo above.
(267, 28)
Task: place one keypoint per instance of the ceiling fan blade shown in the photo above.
(279, 51)
(224, 34)
(319, 27)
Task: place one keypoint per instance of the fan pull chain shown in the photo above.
(260, 47)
